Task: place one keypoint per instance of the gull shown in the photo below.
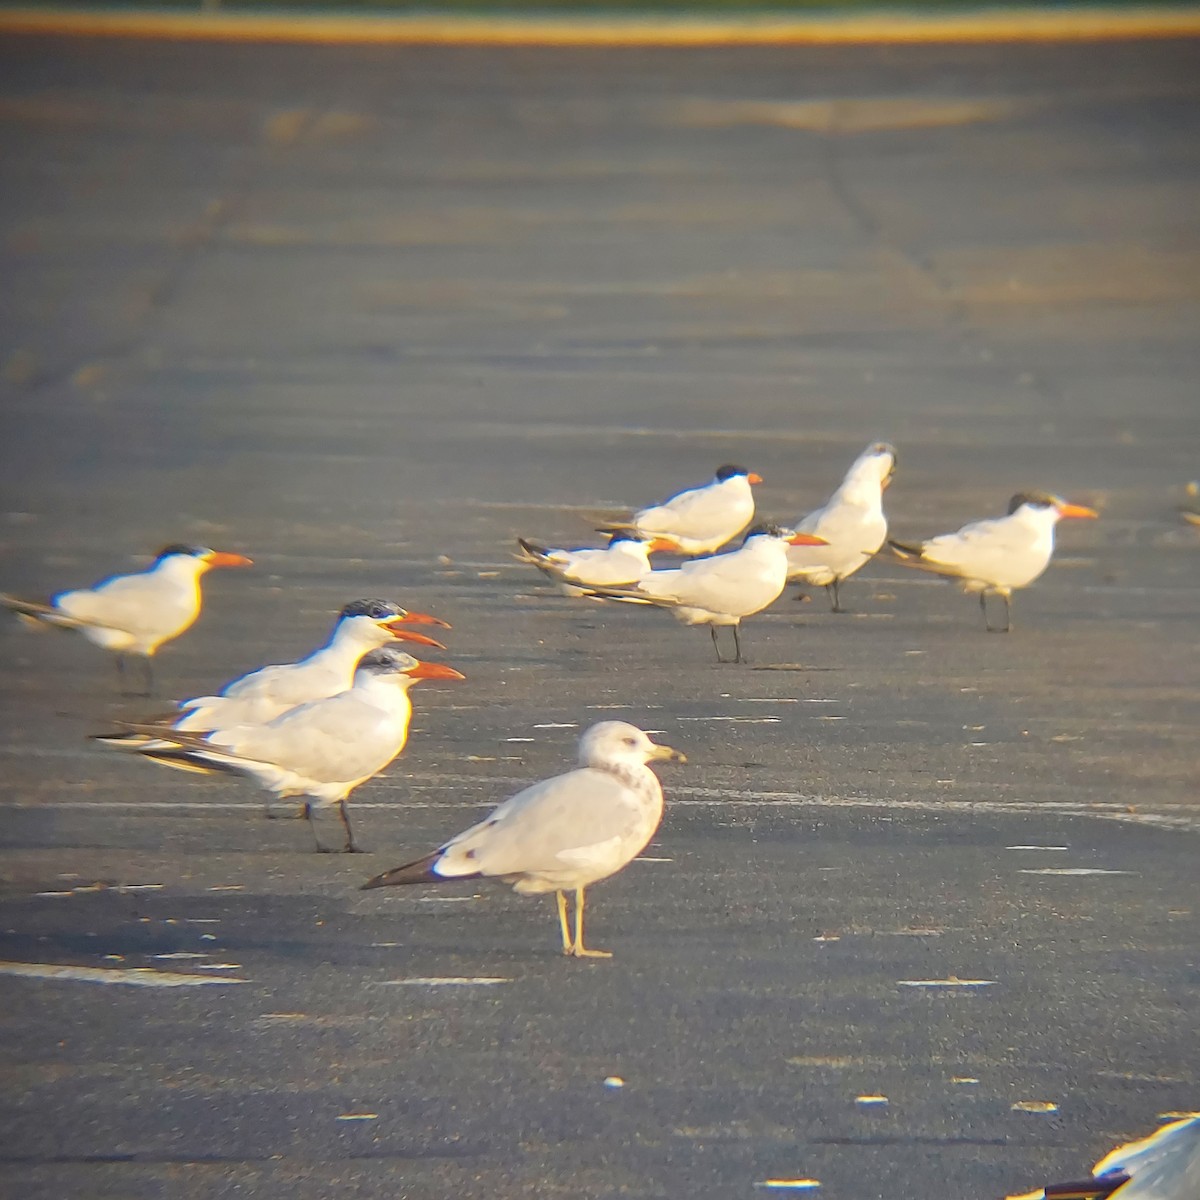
(321, 750)
(1163, 1166)
(563, 834)
(724, 588)
(262, 695)
(851, 522)
(133, 614)
(702, 519)
(624, 560)
(996, 555)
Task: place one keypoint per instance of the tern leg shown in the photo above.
(349, 847)
(308, 816)
(578, 949)
(834, 592)
(1007, 612)
(737, 646)
(121, 673)
(148, 674)
(560, 899)
(716, 645)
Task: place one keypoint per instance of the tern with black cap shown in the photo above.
(262, 695)
(851, 521)
(998, 555)
(701, 519)
(322, 750)
(623, 561)
(137, 613)
(723, 588)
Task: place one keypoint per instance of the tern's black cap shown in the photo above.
(377, 610)
(386, 661)
(181, 548)
(1034, 499)
(730, 471)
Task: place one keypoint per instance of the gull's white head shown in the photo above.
(394, 666)
(617, 743)
(373, 622)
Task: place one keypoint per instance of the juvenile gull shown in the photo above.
(563, 834)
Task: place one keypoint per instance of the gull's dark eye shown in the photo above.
(631, 741)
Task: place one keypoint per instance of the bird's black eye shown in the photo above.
(631, 741)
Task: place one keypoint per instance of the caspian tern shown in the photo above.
(721, 589)
(701, 519)
(262, 695)
(624, 560)
(996, 555)
(1163, 1166)
(563, 834)
(851, 522)
(134, 614)
(322, 750)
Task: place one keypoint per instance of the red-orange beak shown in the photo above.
(432, 670)
(220, 559)
(1077, 510)
(754, 477)
(415, 618)
(662, 546)
(408, 635)
(806, 539)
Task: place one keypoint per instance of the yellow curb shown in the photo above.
(995, 25)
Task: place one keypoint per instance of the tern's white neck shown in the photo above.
(1039, 518)
(863, 484)
(181, 568)
(388, 692)
(352, 637)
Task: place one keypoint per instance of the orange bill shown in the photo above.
(221, 559)
(663, 546)
(408, 635)
(432, 670)
(806, 539)
(418, 618)
(754, 477)
(1076, 510)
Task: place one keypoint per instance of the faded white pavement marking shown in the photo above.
(130, 977)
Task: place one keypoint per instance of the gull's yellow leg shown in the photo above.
(561, 899)
(578, 949)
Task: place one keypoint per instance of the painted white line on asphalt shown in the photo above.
(132, 977)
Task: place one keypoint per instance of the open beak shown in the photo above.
(432, 670)
(662, 545)
(408, 635)
(219, 558)
(1077, 510)
(754, 477)
(806, 539)
(667, 754)
(415, 618)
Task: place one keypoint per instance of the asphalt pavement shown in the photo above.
(921, 919)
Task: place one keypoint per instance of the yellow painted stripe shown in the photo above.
(1008, 25)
